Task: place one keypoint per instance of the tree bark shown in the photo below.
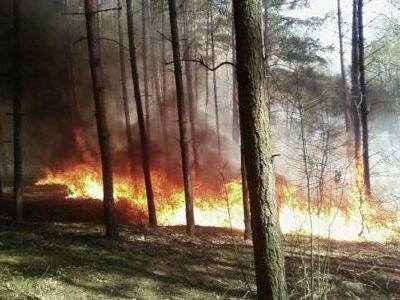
(345, 102)
(216, 108)
(236, 138)
(17, 115)
(235, 101)
(144, 58)
(71, 71)
(156, 84)
(207, 59)
(125, 101)
(255, 135)
(141, 121)
(184, 123)
(102, 129)
(189, 83)
(164, 115)
(267, 50)
(364, 103)
(355, 87)
(196, 67)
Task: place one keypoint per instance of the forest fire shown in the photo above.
(333, 217)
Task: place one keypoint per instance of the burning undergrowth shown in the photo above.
(220, 205)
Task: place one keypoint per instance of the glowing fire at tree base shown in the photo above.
(333, 218)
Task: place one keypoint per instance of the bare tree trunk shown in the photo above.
(207, 59)
(255, 135)
(157, 86)
(216, 108)
(17, 115)
(128, 131)
(364, 103)
(267, 51)
(196, 68)
(71, 70)
(141, 121)
(184, 123)
(355, 86)
(343, 69)
(187, 55)
(236, 138)
(164, 88)
(344, 91)
(102, 130)
(235, 100)
(144, 58)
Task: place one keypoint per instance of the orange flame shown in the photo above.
(341, 219)
(350, 216)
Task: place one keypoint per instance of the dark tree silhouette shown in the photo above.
(17, 115)
(102, 130)
(184, 122)
(141, 121)
(128, 131)
(363, 99)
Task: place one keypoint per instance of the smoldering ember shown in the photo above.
(199, 149)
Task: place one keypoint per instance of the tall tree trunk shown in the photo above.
(141, 121)
(122, 64)
(164, 87)
(144, 58)
(157, 86)
(364, 103)
(235, 101)
(187, 55)
(184, 123)
(102, 130)
(255, 134)
(344, 87)
(17, 116)
(355, 87)
(236, 138)
(71, 70)
(207, 59)
(196, 67)
(216, 108)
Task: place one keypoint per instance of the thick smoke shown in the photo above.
(52, 41)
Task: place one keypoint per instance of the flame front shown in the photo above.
(341, 219)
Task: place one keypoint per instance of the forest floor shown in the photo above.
(69, 260)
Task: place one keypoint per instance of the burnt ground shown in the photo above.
(72, 260)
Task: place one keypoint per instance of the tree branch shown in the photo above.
(83, 38)
(201, 61)
(96, 12)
